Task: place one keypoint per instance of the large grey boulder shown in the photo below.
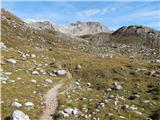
(19, 115)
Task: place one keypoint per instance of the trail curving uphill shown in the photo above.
(51, 103)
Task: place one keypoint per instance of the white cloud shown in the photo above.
(92, 12)
(89, 12)
(139, 15)
(154, 24)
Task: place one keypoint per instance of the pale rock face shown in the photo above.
(82, 28)
(75, 29)
(19, 115)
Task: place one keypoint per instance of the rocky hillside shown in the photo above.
(139, 35)
(74, 29)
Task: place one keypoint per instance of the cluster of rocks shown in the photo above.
(39, 71)
(17, 104)
(4, 76)
(25, 56)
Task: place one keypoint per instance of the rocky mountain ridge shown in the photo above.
(75, 29)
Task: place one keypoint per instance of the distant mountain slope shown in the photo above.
(42, 24)
(83, 28)
(74, 29)
(139, 35)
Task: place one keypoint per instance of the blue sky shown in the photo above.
(113, 14)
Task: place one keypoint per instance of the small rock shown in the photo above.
(52, 74)
(19, 78)
(48, 81)
(132, 107)
(122, 117)
(133, 97)
(68, 110)
(29, 104)
(16, 104)
(138, 113)
(88, 84)
(33, 55)
(34, 92)
(61, 72)
(108, 90)
(35, 73)
(12, 61)
(110, 114)
(78, 66)
(77, 83)
(2, 46)
(116, 86)
(34, 81)
(13, 81)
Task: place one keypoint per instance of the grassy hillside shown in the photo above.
(89, 90)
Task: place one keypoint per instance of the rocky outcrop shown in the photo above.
(42, 24)
(137, 34)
